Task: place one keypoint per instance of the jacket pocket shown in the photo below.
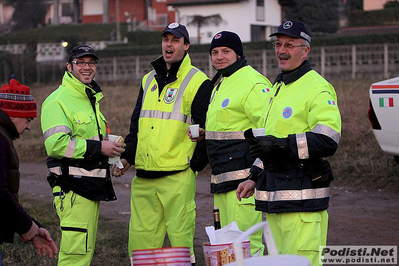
(82, 117)
(74, 238)
(83, 127)
(320, 172)
(223, 158)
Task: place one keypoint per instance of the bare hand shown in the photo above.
(199, 138)
(112, 148)
(119, 172)
(33, 231)
(245, 189)
(43, 244)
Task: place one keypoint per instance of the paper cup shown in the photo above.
(259, 132)
(194, 130)
(112, 137)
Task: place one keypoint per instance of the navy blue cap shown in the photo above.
(178, 30)
(82, 50)
(294, 29)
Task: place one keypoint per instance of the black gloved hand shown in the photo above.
(266, 146)
(249, 137)
(255, 148)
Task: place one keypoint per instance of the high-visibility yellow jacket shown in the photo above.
(304, 111)
(163, 144)
(238, 103)
(73, 127)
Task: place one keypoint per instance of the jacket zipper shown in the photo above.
(272, 100)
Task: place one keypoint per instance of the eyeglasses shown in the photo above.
(287, 45)
(83, 63)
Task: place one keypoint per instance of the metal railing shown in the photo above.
(374, 61)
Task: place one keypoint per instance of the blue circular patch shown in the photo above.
(154, 87)
(287, 112)
(225, 102)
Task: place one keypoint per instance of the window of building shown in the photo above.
(258, 33)
(260, 10)
(92, 7)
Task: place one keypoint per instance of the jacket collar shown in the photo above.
(8, 125)
(71, 82)
(293, 75)
(228, 71)
(173, 73)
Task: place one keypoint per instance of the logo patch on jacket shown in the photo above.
(225, 102)
(287, 112)
(170, 95)
(265, 90)
(154, 87)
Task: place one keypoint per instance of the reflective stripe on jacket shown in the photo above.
(69, 121)
(305, 112)
(163, 144)
(238, 103)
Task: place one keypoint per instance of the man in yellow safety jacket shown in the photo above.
(303, 125)
(237, 103)
(74, 132)
(172, 96)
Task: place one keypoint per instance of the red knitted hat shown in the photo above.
(16, 101)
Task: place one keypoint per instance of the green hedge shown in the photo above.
(149, 42)
(49, 33)
(388, 16)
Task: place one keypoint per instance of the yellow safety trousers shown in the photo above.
(78, 222)
(163, 205)
(243, 213)
(300, 233)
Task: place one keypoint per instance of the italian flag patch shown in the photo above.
(331, 102)
(386, 102)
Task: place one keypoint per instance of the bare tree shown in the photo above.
(200, 21)
(27, 13)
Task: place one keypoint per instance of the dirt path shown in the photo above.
(357, 217)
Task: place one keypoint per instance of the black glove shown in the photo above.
(249, 137)
(265, 147)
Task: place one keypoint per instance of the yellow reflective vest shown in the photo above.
(163, 144)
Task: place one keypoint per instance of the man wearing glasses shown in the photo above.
(303, 125)
(74, 132)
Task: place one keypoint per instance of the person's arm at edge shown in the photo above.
(131, 138)
(199, 108)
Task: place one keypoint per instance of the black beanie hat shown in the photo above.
(228, 39)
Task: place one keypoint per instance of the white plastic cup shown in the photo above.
(112, 137)
(194, 130)
(258, 132)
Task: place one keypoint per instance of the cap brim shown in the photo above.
(285, 33)
(86, 54)
(174, 32)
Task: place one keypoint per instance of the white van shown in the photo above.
(383, 114)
